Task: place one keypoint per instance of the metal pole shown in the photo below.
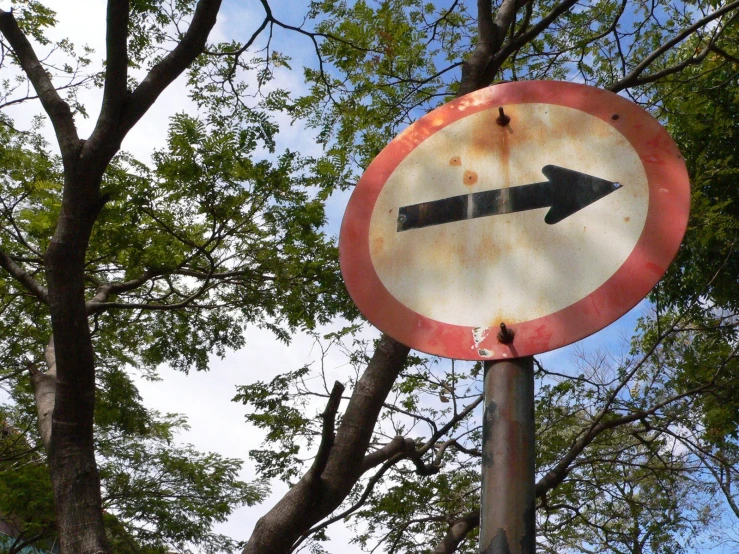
(507, 518)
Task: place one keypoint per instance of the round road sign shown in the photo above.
(555, 223)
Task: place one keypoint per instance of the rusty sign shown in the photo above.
(552, 208)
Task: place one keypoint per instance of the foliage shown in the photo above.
(26, 500)
(159, 495)
(164, 497)
(637, 485)
(704, 121)
(223, 229)
(218, 240)
(370, 84)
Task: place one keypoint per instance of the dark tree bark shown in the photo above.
(332, 476)
(342, 457)
(71, 449)
(320, 492)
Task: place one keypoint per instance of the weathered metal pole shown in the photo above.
(507, 518)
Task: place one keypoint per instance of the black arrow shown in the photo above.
(565, 193)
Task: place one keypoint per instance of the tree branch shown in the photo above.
(396, 446)
(511, 46)
(104, 291)
(557, 474)
(400, 455)
(28, 282)
(44, 391)
(115, 89)
(633, 76)
(490, 35)
(304, 504)
(327, 433)
(172, 66)
(58, 110)
(458, 530)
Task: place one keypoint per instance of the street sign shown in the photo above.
(553, 216)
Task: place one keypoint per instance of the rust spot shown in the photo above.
(506, 335)
(456, 160)
(627, 219)
(505, 159)
(469, 177)
(499, 544)
(484, 136)
(377, 244)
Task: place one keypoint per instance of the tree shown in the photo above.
(96, 250)
(74, 272)
(626, 47)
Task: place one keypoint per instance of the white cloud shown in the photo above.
(217, 424)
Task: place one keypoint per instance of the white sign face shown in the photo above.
(508, 267)
(554, 223)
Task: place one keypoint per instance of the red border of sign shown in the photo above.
(667, 216)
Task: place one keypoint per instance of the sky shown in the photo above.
(216, 423)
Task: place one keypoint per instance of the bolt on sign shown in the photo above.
(551, 208)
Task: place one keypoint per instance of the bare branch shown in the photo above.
(396, 446)
(58, 110)
(327, 432)
(458, 530)
(116, 69)
(633, 77)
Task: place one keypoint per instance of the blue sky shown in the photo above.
(216, 422)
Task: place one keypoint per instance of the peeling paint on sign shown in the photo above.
(438, 281)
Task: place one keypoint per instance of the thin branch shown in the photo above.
(633, 77)
(557, 474)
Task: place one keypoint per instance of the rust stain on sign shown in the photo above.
(469, 178)
(462, 272)
(431, 285)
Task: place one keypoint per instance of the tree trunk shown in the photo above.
(72, 463)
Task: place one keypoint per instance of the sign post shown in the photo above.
(507, 518)
(512, 221)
